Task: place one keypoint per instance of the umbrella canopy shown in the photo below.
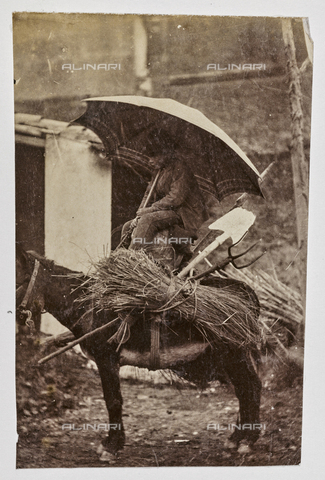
(124, 124)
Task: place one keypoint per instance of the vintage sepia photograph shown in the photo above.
(161, 215)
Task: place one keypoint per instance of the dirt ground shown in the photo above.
(165, 425)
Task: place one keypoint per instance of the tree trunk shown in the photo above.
(299, 162)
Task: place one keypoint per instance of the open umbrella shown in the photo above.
(123, 123)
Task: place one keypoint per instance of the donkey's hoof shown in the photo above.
(100, 449)
(104, 455)
(230, 444)
(244, 448)
(107, 457)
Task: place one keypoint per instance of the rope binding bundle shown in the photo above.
(131, 283)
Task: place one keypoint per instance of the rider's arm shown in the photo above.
(180, 189)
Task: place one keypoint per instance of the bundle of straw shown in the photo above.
(278, 301)
(281, 306)
(130, 282)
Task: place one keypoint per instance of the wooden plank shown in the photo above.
(53, 125)
(29, 130)
(223, 76)
(32, 141)
(28, 119)
(36, 126)
(25, 119)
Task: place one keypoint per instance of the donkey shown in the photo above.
(55, 289)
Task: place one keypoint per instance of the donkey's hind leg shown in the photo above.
(242, 371)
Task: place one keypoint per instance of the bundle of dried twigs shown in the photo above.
(281, 306)
(278, 301)
(130, 282)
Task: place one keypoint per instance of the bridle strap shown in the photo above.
(30, 285)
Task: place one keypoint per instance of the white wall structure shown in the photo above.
(77, 201)
(77, 206)
(78, 194)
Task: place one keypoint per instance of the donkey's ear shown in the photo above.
(21, 255)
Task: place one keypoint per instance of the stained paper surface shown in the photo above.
(81, 172)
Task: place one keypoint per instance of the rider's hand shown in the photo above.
(134, 222)
(143, 211)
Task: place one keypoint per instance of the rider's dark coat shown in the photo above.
(178, 190)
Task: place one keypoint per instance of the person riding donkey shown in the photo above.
(175, 203)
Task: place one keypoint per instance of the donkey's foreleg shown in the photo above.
(108, 367)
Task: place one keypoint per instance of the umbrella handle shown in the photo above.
(129, 232)
(154, 183)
